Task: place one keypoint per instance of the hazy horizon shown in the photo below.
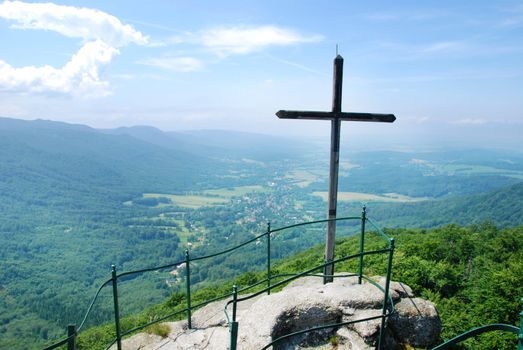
(348, 142)
(450, 72)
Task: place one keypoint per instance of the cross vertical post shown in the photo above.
(336, 116)
(334, 168)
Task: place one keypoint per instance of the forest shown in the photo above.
(473, 274)
(75, 200)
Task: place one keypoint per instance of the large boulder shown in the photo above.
(303, 304)
(291, 310)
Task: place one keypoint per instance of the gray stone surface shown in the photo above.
(281, 313)
(368, 330)
(351, 340)
(180, 338)
(416, 322)
(213, 315)
(303, 304)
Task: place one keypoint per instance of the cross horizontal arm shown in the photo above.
(357, 117)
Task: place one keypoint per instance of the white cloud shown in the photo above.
(73, 22)
(229, 40)
(102, 34)
(225, 41)
(79, 76)
(177, 64)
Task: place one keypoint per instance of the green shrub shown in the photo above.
(161, 329)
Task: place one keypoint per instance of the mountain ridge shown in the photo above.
(71, 206)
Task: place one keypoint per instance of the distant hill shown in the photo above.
(219, 143)
(40, 154)
(63, 195)
(503, 207)
(44, 153)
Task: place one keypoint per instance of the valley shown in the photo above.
(75, 200)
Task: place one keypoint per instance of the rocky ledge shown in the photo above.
(303, 304)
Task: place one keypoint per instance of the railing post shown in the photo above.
(234, 324)
(386, 297)
(269, 258)
(71, 335)
(188, 287)
(362, 241)
(234, 335)
(234, 301)
(116, 308)
(520, 335)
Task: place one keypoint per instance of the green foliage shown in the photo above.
(473, 274)
(334, 341)
(176, 299)
(160, 329)
(431, 174)
(66, 194)
(501, 207)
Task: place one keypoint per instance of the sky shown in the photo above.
(451, 71)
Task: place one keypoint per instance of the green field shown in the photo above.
(218, 196)
(230, 192)
(368, 197)
(188, 201)
(301, 178)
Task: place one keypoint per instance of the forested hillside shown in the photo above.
(503, 207)
(62, 220)
(473, 274)
(64, 195)
(75, 200)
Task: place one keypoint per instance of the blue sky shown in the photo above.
(451, 71)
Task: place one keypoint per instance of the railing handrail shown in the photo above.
(292, 277)
(388, 308)
(315, 222)
(477, 331)
(60, 343)
(228, 250)
(307, 272)
(267, 233)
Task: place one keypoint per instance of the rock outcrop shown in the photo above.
(303, 304)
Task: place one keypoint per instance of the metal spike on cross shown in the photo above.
(336, 116)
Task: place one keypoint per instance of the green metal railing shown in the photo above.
(388, 306)
(387, 310)
(73, 332)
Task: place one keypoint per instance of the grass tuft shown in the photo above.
(161, 329)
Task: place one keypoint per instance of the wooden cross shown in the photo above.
(336, 117)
